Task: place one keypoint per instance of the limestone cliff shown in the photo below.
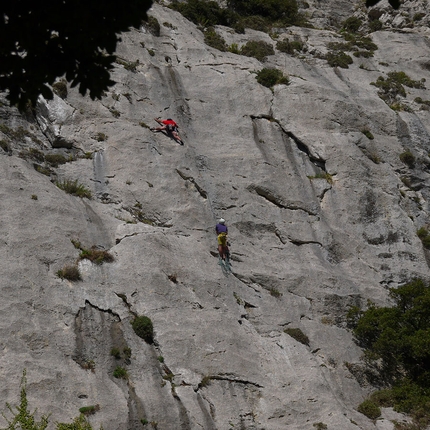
(322, 214)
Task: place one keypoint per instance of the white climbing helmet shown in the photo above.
(222, 221)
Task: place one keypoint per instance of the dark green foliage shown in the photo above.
(359, 42)
(394, 3)
(143, 327)
(97, 256)
(89, 410)
(116, 353)
(368, 133)
(298, 335)
(127, 352)
(404, 79)
(120, 373)
(352, 24)
(259, 15)
(392, 86)
(70, 273)
(32, 154)
(370, 409)
(55, 159)
(79, 423)
(375, 25)
(60, 88)
(204, 12)
(257, 49)
(407, 158)
(339, 59)
(283, 11)
(320, 426)
(153, 26)
(290, 47)
(74, 188)
(4, 145)
(365, 54)
(213, 39)
(22, 418)
(44, 40)
(419, 16)
(424, 235)
(397, 340)
(271, 77)
(256, 22)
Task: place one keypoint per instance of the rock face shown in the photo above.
(322, 214)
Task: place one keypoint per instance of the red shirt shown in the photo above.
(169, 122)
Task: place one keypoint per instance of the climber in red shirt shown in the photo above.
(169, 126)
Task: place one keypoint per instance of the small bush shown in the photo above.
(234, 48)
(271, 77)
(375, 25)
(120, 373)
(55, 159)
(257, 49)
(257, 23)
(79, 423)
(298, 335)
(71, 273)
(407, 158)
(22, 417)
(284, 12)
(5, 146)
(368, 133)
(101, 137)
(370, 409)
(74, 188)
(60, 88)
(34, 197)
(143, 327)
(214, 40)
(275, 293)
(320, 426)
(32, 154)
(205, 13)
(339, 59)
(97, 256)
(206, 381)
(127, 352)
(290, 47)
(116, 353)
(153, 26)
(352, 24)
(424, 235)
(89, 410)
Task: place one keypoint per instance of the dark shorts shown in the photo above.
(171, 128)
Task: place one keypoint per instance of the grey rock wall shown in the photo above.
(320, 218)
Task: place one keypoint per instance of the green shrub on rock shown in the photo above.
(298, 335)
(407, 158)
(143, 327)
(370, 409)
(271, 77)
(257, 49)
(213, 39)
(339, 59)
(74, 188)
(352, 24)
(396, 342)
(283, 11)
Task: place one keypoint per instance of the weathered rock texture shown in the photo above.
(320, 217)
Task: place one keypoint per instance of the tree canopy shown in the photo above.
(394, 3)
(397, 340)
(47, 39)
